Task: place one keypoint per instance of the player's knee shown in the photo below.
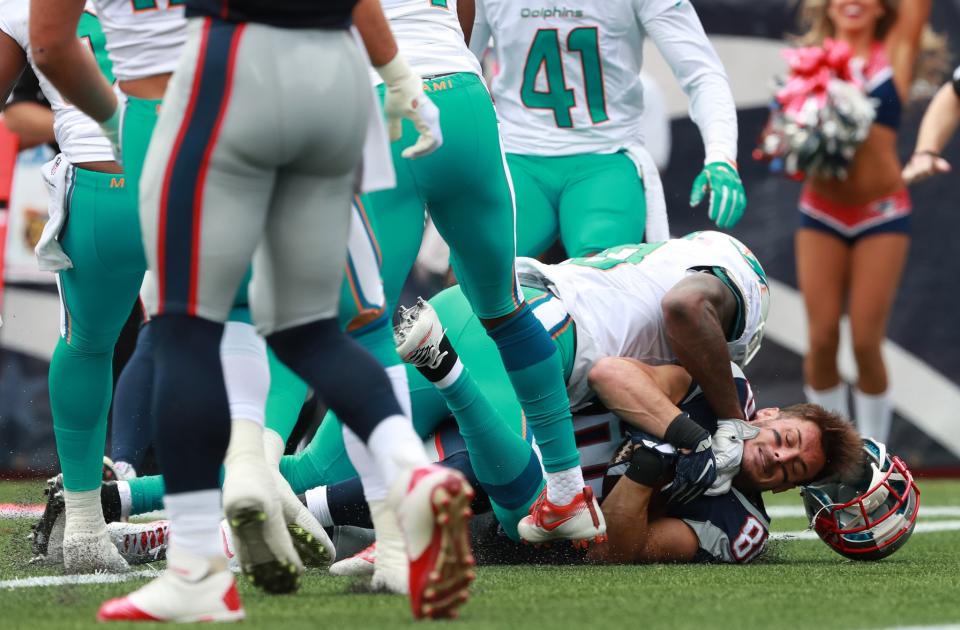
(607, 371)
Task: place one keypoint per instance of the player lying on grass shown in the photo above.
(699, 300)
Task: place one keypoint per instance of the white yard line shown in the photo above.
(60, 580)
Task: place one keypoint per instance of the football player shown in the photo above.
(99, 265)
(570, 99)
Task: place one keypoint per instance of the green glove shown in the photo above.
(727, 198)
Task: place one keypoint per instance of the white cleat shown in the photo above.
(418, 335)
(311, 541)
(360, 564)
(433, 508)
(192, 589)
(391, 571)
(261, 541)
(580, 521)
(140, 543)
(91, 552)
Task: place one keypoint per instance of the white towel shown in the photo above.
(657, 228)
(50, 255)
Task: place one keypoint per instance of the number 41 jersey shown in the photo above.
(569, 80)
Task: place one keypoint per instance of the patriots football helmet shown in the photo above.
(872, 517)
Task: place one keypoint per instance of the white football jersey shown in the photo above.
(77, 134)
(569, 80)
(429, 36)
(144, 37)
(615, 298)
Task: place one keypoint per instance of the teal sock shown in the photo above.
(324, 462)
(505, 464)
(146, 494)
(80, 393)
(285, 399)
(535, 370)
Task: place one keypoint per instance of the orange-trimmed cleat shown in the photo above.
(434, 514)
(580, 521)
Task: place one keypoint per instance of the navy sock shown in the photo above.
(345, 376)
(190, 408)
(132, 427)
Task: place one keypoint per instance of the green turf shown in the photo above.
(798, 584)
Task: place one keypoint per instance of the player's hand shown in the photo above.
(696, 468)
(727, 197)
(923, 165)
(404, 98)
(112, 129)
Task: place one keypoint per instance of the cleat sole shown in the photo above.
(259, 563)
(310, 550)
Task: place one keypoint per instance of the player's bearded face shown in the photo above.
(786, 452)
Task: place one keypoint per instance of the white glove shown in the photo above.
(111, 128)
(728, 445)
(404, 98)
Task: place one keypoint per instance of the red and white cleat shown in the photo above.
(580, 521)
(434, 514)
(191, 589)
(360, 564)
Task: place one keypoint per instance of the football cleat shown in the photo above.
(261, 541)
(140, 543)
(91, 552)
(192, 589)
(391, 570)
(47, 535)
(580, 521)
(123, 471)
(360, 564)
(418, 336)
(433, 508)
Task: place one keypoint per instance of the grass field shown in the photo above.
(798, 584)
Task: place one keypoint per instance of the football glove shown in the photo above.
(404, 98)
(111, 129)
(696, 468)
(727, 197)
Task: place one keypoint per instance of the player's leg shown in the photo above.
(602, 205)
(537, 192)
(96, 296)
(876, 266)
(131, 426)
(468, 191)
(203, 206)
(823, 262)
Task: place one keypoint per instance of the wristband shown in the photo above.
(646, 467)
(684, 432)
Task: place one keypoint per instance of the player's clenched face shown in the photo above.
(786, 453)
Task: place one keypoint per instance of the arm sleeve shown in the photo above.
(480, 36)
(680, 37)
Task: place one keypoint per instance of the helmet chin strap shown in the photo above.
(728, 444)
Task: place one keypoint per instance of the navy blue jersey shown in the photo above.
(281, 13)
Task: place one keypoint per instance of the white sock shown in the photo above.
(392, 568)
(874, 415)
(396, 447)
(195, 521)
(374, 486)
(246, 371)
(834, 399)
(401, 387)
(318, 506)
(564, 485)
(126, 499)
(84, 512)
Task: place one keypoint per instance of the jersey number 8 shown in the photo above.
(545, 53)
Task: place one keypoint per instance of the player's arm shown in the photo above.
(939, 124)
(66, 61)
(633, 537)
(32, 122)
(697, 312)
(466, 13)
(680, 38)
(480, 31)
(404, 97)
(643, 395)
(12, 62)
